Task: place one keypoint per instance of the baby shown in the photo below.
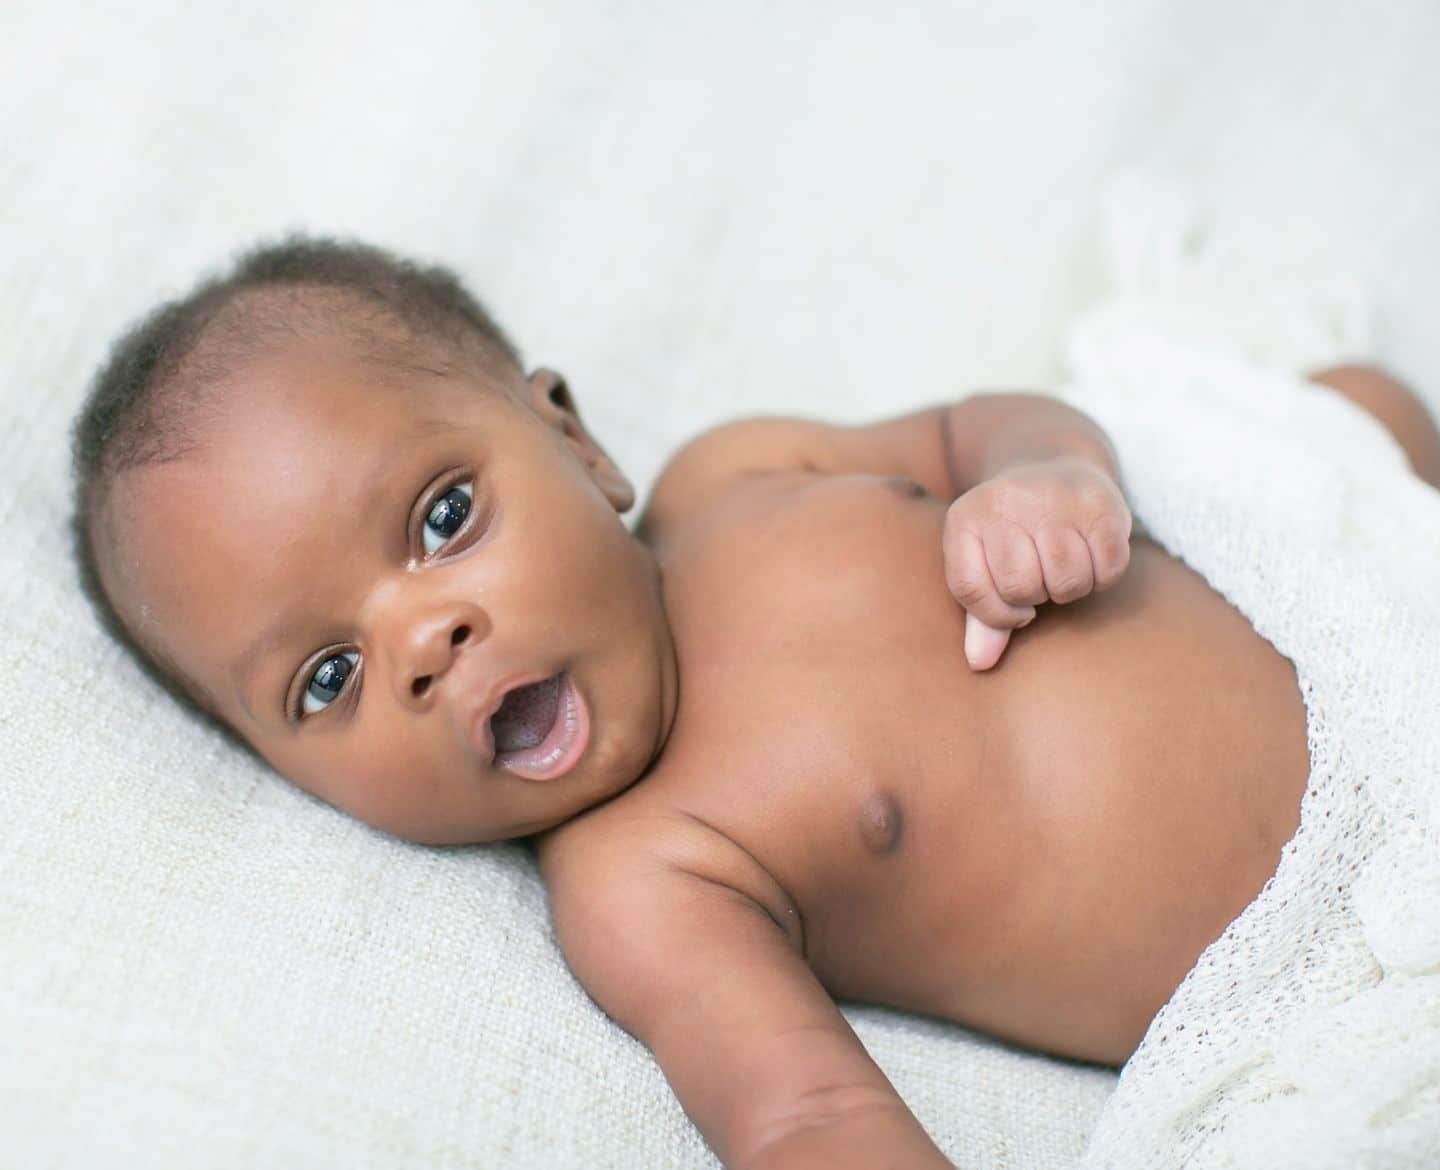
(764, 745)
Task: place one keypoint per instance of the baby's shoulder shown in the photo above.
(655, 920)
(742, 456)
(607, 869)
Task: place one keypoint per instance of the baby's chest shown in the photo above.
(829, 723)
(815, 632)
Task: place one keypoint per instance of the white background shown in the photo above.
(694, 211)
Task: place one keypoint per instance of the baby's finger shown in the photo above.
(1065, 557)
(968, 577)
(1014, 565)
(983, 644)
(1109, 540)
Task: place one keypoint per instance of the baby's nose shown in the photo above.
(430, 645)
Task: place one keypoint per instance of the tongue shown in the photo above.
(526, 716)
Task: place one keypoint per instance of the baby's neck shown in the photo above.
(669, 672)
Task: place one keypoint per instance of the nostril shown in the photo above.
(459, 635)
(420, 685)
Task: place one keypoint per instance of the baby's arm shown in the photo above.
(1037, 512)
(946, 449)
(753, 1046)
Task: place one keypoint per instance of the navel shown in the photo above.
(881, 824)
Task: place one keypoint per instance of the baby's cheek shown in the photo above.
(373, 787)
(343, 775)
(411, 789)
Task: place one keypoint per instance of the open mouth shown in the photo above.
(540, 730)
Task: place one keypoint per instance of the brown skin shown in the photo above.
(842, 807)
(1407, 419)
(298, 508)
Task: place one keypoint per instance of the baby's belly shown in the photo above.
(1147, 752)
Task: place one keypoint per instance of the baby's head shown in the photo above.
(325, 505)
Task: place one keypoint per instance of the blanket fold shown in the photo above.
(1309, 1033)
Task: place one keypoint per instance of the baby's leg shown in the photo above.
(1401, 412)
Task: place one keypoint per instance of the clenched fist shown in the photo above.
(1056, 530)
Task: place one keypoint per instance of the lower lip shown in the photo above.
(559, 751)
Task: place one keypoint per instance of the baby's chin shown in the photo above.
(423, 831)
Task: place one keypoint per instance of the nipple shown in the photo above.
(907, 487)
(881, 824)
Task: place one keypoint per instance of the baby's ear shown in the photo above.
(550, 399)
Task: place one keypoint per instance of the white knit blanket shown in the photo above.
(1308, 1035)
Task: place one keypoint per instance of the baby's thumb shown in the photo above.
(983, 644)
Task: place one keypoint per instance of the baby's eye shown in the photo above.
(326, 681)
(446, 516)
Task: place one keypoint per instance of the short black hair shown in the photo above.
(141, 400)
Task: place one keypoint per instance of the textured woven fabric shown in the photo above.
(1308, 1035)
(695, 211)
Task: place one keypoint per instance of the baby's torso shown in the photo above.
(1040, 851)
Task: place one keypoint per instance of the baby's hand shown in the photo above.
(1048, 531)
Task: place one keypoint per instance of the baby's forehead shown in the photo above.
(305, 396)
(270, 353)
(318, 418)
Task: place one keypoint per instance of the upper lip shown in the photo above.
(483, 711)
